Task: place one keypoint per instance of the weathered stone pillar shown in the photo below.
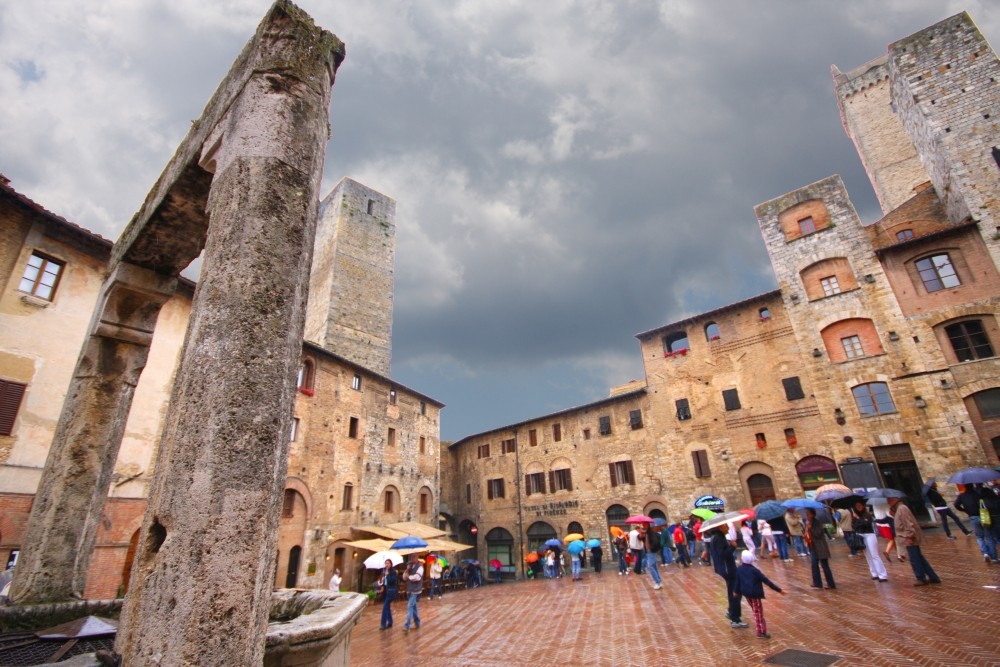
(203, 573)
(67, 509)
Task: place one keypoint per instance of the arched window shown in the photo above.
(676, 343)
(988, 403)
(937, 272)
(904, 234)
(712, 332)
(307, 375)
(538, 533)
(292, 575)
(574, 527)
(500, 547)
(873, 399)
(764, 314)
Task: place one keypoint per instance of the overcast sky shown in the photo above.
(567, 174)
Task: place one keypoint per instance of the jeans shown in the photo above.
(666, 554)
(576, 568)
(944, 513)
(411, 611)
(987, 544)
(387, 610)
(622, 565)
(800, 545)
(922, 570)
(782, 542)
(682, 555)
(825, 564)
(438, 585)
(654, 571)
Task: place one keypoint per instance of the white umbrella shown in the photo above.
(721, 519)
(377, 560)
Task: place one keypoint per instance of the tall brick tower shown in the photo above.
(351, 284)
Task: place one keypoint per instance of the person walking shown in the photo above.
(666, 547)
(908, 532)
(750, 584)
(389, 583)
(845, 522)
(638, 552)
(652, 545)
(864, 526)
(574, 557)
(414, 586)
(819, 550)
(767, 536)
(596, 556)
(621, 547)
(724, 561)
(968, 501)
(937, 501)
(434, 572)
(680, 539)
(747, 533)
(779, 531)
(796, 531)
(335, 580)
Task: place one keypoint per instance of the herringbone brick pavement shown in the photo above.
(614, 620)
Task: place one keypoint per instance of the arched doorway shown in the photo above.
(291, 533)
(500, 546)
(761, 488)
(814, 471)
(292, 575)
(574, 527)
(538, 533)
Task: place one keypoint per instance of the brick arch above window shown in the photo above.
(803, 219)
(297, 484)
(828, 277)
(968, 338)
(850, 339)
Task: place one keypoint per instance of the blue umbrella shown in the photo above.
(554, 543)
(803, 503)
(974, 476)
(657, 521)
(593, 542)
(409, 542)
(770, 509)
(576, 547)
(886, 493)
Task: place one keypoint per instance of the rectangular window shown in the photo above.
(534, 483)
(731, 399)
(494, 488)
(371, 206)
(484, 451)
(352, 429)
(288, 504)
(761, 440)
(423, 408)
(793, 389)
(468, 494)
(392, 396)
(295, 428)
(873, 399)
(621, 473)
(683, 409)
(790, 437)
(852, 347)
(425, 502)
(556, 432)
(969, 340)
(390, 438)
(830, 285)
(937, 273)
(561, 480)
(356, 382)
(604, 425)
(389, 500)
(507, 446)
(807, 225)
(348, 497)
(41, 276)
(586, 434)
(10, 403)
(423, 445)
(533, 437)
(635, 419)
(700, 459)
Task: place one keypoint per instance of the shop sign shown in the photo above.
(711, 503)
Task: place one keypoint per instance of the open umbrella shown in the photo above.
(495, 564)
(974, 476)
(803, 503)
(639, 518)
(657, 521)
(377, 560)
(576, 547)
(553, 543)
(572, 537)
(723, 519)
(886, 493)
(927, 485)
(409, 542)
(593, 542)
(531, 558)
(770, 509)
(749, 512)
(832, 492)
(616, 531)
(443, 561)
(847, 502)
(702, 513)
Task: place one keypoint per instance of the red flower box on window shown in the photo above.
(678, 353)
(307, 391)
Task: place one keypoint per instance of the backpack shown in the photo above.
(654, 542)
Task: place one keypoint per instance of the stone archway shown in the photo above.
(757, 479)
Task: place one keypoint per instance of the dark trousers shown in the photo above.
(640, 559)
(682, 555)
(825, 564)
(597, 564)
(944, 514)
(922, 570)
(735, 601)
(387, 610)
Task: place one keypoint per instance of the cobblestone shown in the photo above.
(608, 619)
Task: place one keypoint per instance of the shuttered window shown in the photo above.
(10, 402)
(731, 399)
(494, 488)
(700, 458)
(621, 473)
(561, 480)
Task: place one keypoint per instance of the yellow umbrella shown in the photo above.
(571, 537)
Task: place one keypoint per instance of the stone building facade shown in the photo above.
(359, 436)
(874, 362)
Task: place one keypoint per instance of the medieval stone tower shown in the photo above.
(351, 284)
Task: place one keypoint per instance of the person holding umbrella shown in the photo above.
(796, 531)
(908, 531)
(937, 501)
(864, 526)
(435, 572)
(724, 561)
(596, 553)
(819, 550)
(389, 583)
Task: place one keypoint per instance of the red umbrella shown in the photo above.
(750, 512)
(495, 564)
(639, 518)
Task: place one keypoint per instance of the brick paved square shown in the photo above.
(615, 620)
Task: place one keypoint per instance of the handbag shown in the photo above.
(984, 515)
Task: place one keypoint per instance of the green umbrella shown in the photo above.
(702, 513)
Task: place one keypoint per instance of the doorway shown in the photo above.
(761, 488)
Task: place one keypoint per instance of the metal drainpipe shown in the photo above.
(520, 524)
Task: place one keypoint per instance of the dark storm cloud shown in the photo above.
(566, 174)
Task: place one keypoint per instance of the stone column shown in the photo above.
(65, 515)
(204, 568)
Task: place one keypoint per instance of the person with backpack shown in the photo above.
(968, 501)
(652, 545)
